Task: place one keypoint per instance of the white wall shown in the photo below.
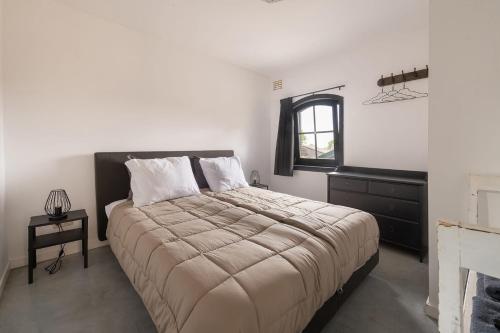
(3, 236)
(464, 112)
(391, 135)
(76, 84)
(488, 212)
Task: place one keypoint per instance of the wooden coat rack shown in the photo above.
(404, 77)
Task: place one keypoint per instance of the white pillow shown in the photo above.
(223, 173)
(161, 179)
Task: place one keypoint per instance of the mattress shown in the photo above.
(204, 264)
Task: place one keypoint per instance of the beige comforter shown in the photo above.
(352, 232)
(204, 265)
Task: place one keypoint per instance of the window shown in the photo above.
(318, 131)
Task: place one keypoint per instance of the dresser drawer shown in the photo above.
(349, 184)
(399, 232)
(401, 191)
(378, 205)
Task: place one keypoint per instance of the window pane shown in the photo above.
(324, 118)
(307, 146)
(306, 120)
(325, 145)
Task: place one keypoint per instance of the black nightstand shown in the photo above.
(260, 185)
(38, 242)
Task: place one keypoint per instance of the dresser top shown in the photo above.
(399, 176)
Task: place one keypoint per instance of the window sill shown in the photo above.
(314, 168)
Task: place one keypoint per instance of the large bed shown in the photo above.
(245, 260)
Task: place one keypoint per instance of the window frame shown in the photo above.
(337, 104)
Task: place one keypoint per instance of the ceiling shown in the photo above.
(263, 37)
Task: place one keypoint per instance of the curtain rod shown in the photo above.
(317, 91)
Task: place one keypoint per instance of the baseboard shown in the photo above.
(431, 310)
(4, 277)
(43, 255)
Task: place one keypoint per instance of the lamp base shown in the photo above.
(57, 218)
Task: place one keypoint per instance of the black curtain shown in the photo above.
(283, 163)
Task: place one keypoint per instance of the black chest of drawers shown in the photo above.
(397, 199)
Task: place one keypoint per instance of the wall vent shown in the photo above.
(277, 85)
(271, 1)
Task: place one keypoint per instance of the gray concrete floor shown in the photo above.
(390, 300)
(101, 299)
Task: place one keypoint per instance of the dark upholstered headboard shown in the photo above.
(112, 180)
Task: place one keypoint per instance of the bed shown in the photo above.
(244, 260)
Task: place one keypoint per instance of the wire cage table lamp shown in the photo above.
(255, 177)
(57, 205)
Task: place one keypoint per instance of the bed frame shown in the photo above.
(328, 310)
(112, 183)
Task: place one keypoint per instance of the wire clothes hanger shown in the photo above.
(408, 91)
(380, 95)
(394, 95)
